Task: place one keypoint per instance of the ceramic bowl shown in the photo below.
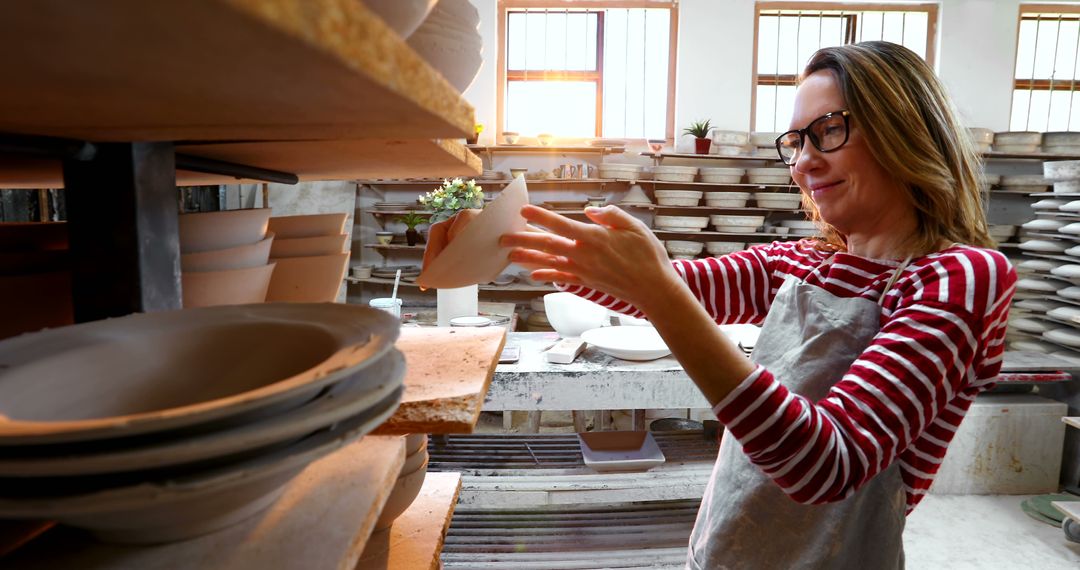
(1017, 138)
(729, 138)
(722, 175)
(416, 458)
(1016, 148)
(681, 223)
(250, 359)
(1062, 149)
(724, 247)
(304, 247)
(191, 505)
(683, 247)
(764, 140)
(208, 231)
(225, 286)
(1060, 138)
(677, 197)
(1060, 170)
(768, 175)
(726, 199)
(239, 257)
(1042, 225)
(778, 200)
(314, 279)
(510, 137)
(623, 171)
(1025, 180)
(981, 135)
(451, 43)
(545, 139)
(401, 496)
(745, 223)
(290, 227)
(675, 173)
(571, 315)
(362, 271)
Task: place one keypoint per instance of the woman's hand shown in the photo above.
(442, 233)
(618, 254)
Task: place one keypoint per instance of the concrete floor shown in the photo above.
(983, 532)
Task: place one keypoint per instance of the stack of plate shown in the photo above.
(311, 267)
(224, 257)
(35, 277)
(164, 426)
(408, 272)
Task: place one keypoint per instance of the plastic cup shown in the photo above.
(392, 306)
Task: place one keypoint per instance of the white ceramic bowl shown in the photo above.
(1016, 148)
(799, 224)
(778, 200)
(678, 197)
(726, 199)
(616, 170)
(1060, 138)
(764, 140)
(684, 247)
(1060, 170)
(675, 173)
(681, 223)
(768, 175)
(1065, 187)
(729, 138)
(403, 16)
(1062, 149)
(571, 315)
(981, 135)
(747, 222)
(1018, 138)
(722, 175)
(628, 343)
(724, 247)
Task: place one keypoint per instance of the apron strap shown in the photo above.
(893, 279)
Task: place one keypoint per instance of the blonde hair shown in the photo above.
(908, 120)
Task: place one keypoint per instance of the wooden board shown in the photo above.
(123, 70)
(416, 538)
(323, 520)
(310, 160)
(447, 374)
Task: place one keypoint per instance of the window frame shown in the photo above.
(1036, 84)
(502, 76)
(790, 80)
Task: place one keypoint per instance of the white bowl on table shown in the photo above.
(628, 343)
(571, 315)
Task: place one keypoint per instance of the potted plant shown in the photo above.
(700, 131)
(477, 129)
(411, 220)
(450, 198)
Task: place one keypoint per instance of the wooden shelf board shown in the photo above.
(483, 287)
(711, 208)
(663, 155)
(447, 374)
(1031, 155)
(323, 520)
(416, 538)
(310, 160)
(395, 246)
(728, 236)
(740, 185)
(489, 182)
(117, 70)
(527, 149)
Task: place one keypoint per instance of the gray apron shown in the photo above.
(809, 339)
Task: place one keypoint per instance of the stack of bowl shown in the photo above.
(678, 197)
(1017, 141)
(722, 175)
(730, 143)
(35, 277)
(312, 262)
(771, 176)
(983, 138)
(1061, 143)
(224, 257)
(163, 426)
(764, 144)
(409, 481)
(736, 224)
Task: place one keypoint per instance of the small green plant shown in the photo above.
(412, 219)
(452, 197)
(700, 129)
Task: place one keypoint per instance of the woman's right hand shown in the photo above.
(442, 233)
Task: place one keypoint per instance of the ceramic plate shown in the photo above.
(475, 255)
(1064, 313)
(1070, 293)
(1067, 271)
(1032, 346)
(1030, 325)
(628, 343)
(179, 369)
(1048, 204)
(1039, 264)
(1043, 246)
(1042, 225)
(1038, 305)
(1073, 251)
(1073, 206)
(470, 322)
(343, 400)
(1041, 285)
(1068, 337)
(1072, 229)
(620, 450)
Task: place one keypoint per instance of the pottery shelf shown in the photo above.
(660, 156)
(416, 539)
(494, 181)
(750, 209)
(1030, 156)
(323, 519)
(727, 236)
(483, 287)
(540, 149)
(740, 185)
(395, 246)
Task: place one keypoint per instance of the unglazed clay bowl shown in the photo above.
(402, 496)
(171, 453)
(290, 227)
(225, 286)
(153, 372)
(309, 246)
(314, 279)
(239, 257)
(208, 231)
(191, 505)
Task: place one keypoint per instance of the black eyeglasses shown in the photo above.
(827, 133)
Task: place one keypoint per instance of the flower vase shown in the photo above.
(457, 302)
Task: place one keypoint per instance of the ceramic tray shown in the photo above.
(198, 504)
(475, 255)
(628, 343)
(159, 371)
(620, 450)
(346, 399)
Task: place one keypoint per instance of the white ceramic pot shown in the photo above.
(571, 315)
(726, 199)
(678, 197)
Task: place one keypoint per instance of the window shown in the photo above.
(587, 69)
(1044, 88)
(789, 33)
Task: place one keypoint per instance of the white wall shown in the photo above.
(975, 58)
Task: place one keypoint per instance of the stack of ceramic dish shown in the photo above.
(35, 277)
(722, 175)
(312, 264)
(408, 272)
(983, 138)
(678, 197)
(163, 426)
(409, 482)
(772, 176)
(675, 173)
(736, 224)
(681, 249)
(1061, 143)
(224, 257)
(1024, 183)
(1017, 141)
(730, 143)
(620, 171)
(537, 320)
(680, 223)
(1065, 174)
(764, 144)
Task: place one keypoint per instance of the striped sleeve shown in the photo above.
(734, 289)
(900, 400)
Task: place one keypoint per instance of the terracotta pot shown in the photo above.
(289, 227)
(209, 231)
(404, 493)
(309, 246)
(225, 287)
(239, 257)
(701, 146)
(31, 236)
(307, 279)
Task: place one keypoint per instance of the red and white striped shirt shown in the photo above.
(941, 342)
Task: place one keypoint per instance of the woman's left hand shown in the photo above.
(618, 254)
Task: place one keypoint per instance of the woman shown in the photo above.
(876, 337)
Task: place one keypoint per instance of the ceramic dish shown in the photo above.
(1068, 337)
(470, 321)
(1071, 293)
(207, 231)
(628, 343)
(305, 247)
(1038, 305)
(1042, 225)
(726, 199)
(1069, 313)
(1073, 251)
(249, 358)
(683, 247)
(1041, 285)
(1071, 206)
(345, 399)
(677, 197)
(192, 505)
(291, 227)
(1068, 271)
(778, 200)
(1030, 325)
(239, 257)
(724, 247)
(1039, 264)
(1044, 246)
(606, 451)
(681, 223)
(475, 255)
